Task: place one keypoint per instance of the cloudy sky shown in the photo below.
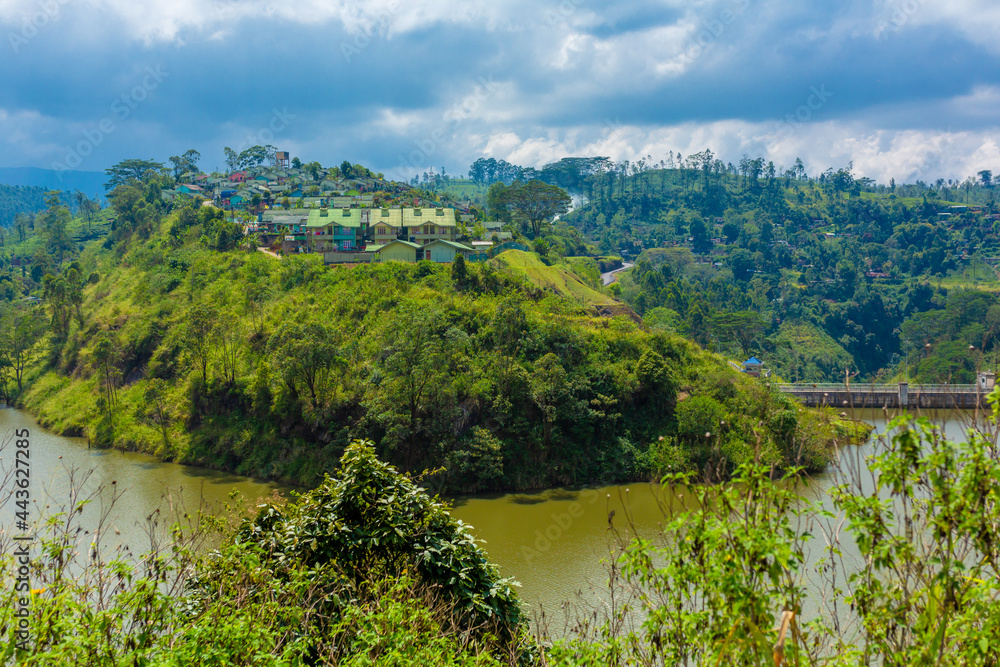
(907, 89)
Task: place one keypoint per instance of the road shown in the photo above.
(611, 276)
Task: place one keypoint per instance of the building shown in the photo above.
(385, 225)
(987, 380)
(753, 367)
(397, 251)
(338, 229)
(444, 251)
(424, 225)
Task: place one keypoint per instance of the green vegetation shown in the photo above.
(830, 266)
(367, 569)
(564, 281)
(168, 336)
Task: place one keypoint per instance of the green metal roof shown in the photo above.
(456, 246)
(415, 217)
(406, 243)
(342, 217)
(386, 216)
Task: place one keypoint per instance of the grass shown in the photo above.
(557, 279)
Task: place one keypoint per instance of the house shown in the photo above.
(987, 380)
(189, 189)
(238, 176)
(444, 252)
(753, 367)
(397, 251)
(385, 225)
(336, 229)
(424, 225)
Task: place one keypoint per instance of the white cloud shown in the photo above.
(905, 155)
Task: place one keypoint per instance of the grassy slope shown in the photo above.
(557, 279)
(145, 300)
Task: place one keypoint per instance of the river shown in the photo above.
(141, 483)
(552, 542)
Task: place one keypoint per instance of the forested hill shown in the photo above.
(820, 276)
(173, 335)
(16, 200)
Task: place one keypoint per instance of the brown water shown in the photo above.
(552, 542)
(143, 484)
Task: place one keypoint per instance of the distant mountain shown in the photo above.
(91, 183)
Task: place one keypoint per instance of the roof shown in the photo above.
(285, 217)
(753, 361)
(342, 217)
(386, 216)
(452, 244)
(415, 217)
(383, 247)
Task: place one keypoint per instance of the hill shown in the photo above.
(555, 278)
(91, 183)
(166, 336)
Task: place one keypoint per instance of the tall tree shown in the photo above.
(536, 203)
(232, 159)
(21, 325)
(130, 170)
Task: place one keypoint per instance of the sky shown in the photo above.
(908, 89)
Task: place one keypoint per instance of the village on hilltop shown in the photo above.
(353, 217)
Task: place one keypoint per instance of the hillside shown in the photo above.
(90, 183)
(848, 261)
(555, 278)
(184, 346)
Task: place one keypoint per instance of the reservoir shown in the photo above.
(552, 542)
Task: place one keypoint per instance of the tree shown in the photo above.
(986, 178)
(313, 169)
(105, 354)
(536, 202)
(200, 322)
(21, 326)
(86, 206)
(55, 226)
(232, 159)
(744, 327)
(701, 243)
(254, 157)
(257, 291)
(496, 206)
(185, 163)
(307, 356)
(130, 170)
(550, 389)
(460, 272)
(155, 396)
